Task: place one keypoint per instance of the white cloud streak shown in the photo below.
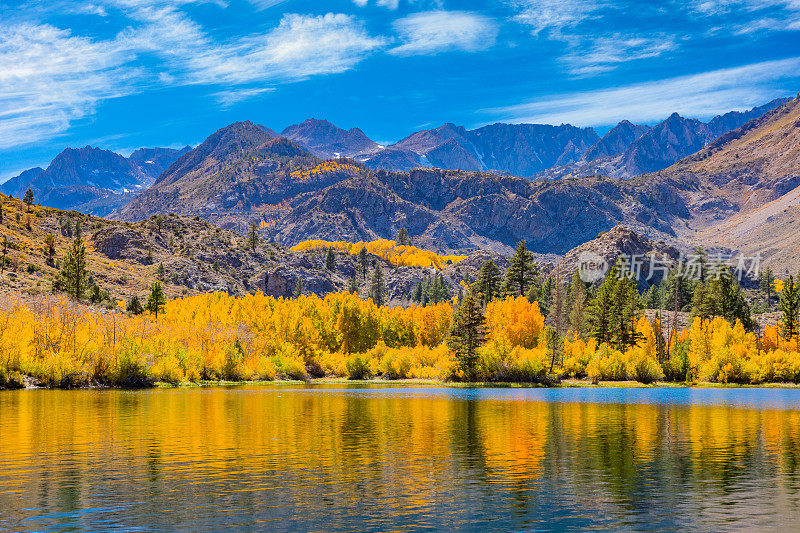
(699, 95)
(50, 78)
(605, 53)
(435, 31)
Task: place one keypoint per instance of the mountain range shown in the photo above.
(93, 180)
(242, 174)
(99, 181)
(692, 182)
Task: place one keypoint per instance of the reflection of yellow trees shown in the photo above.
(388, 250)
(320, 449)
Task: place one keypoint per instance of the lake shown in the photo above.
(341, 457)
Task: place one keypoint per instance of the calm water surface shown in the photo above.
(388, 459)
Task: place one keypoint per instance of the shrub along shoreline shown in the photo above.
(213, 338)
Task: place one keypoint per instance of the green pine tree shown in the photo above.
(377, 287)
(72, 278)
(363, 262)
(766, 281)
(157, 299)
(252, 235)
(487, 286)
(134, 306)
(403, 238)
(721, 295)
(28, 199)
(790, 305)
(330, 260)
(521, 273)
(467, 334)
(578, 303)
(298, 288)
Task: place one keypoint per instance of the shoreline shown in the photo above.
(28, 384)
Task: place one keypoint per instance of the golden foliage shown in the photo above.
(388, 250)
(322, 168)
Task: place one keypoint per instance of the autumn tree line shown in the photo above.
(517, 325)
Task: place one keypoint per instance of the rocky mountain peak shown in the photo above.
(324, 139)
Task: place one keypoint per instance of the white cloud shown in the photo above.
(265, 4)
(752, 15)
(299, 47)
(605, 53)
(555, 15)
(391, 4)
(435, 31)
(698, 95)
(232, 97)
(50, 79)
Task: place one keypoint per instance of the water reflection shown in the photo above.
(399, 459)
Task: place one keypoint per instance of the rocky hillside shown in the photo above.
(241, 174)
(92, 180)
(124, 258)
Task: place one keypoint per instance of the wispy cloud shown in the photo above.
(751, 15)
(232, 97)
(50, 78)
(555, 15)
(698, 95)
(436, 31)
(299, 47)
(605, 53)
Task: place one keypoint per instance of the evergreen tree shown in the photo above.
(72, 278)
(521, 273)
(363, 262)
(403, 238)
(134, 306)
(790, 305)
(542, 293)
(95, 294)
(487, 286)
(5, 253)
(377, 288)
(50, 250)
(766, 281)
(624, 312)
(353, 288)
(674, 284)
(252, 235)
(160, 273)
(431, 290)
(78, 229)
(722, 296)
(601, 309)
(578, 302)
(467, 333)
(157, 299)
(330, 260)
(298, 288)
(28, 199)
(613, 311)
(1, 212)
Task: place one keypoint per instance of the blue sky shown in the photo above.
(121, 74)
